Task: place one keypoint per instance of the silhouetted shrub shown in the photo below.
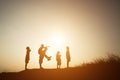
(112, 58)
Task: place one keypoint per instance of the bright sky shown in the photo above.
(90, 29)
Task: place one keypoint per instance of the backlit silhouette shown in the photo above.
(42, 52)
(58, 59)
(68, 56)
(27, 57)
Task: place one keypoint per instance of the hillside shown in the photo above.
(80, 73)
(100, 69)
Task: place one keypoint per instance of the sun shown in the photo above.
(58, 41)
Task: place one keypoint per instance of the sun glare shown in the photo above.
(58, 42)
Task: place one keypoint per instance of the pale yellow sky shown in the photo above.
(91, 29)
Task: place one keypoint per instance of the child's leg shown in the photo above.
(57, 65)
(26, 66)
(67, 64)
(40, 62)
(47, 57)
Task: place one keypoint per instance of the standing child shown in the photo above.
(27, 58)
(68, 56)
(58, 59)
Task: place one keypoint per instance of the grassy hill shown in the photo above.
(100, 69)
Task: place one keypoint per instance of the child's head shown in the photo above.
(28, 48)
(58, 52)
(67, 47)
(42, 45)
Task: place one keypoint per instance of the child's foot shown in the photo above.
(41, 68)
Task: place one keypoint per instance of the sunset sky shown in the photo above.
(90, 28)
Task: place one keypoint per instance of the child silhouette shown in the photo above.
(27, 57)
(68, 56)
(58, 59)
